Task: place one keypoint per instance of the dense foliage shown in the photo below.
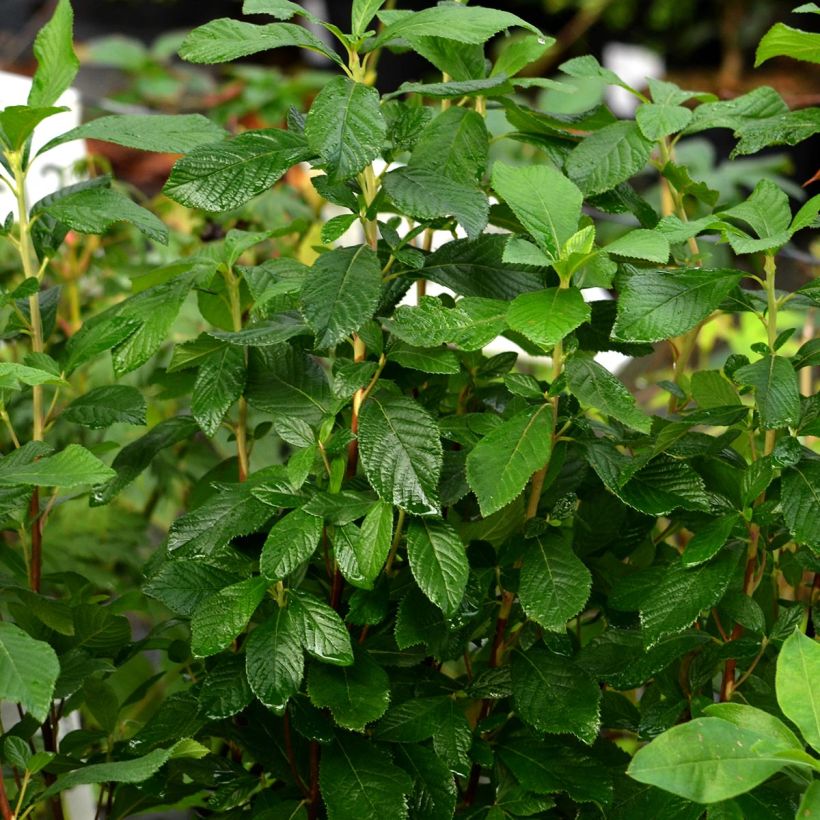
(403, 576)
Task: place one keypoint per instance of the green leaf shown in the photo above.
(114, 404)
(608, 157)
(95, 210)
(424, 194)
(784, 41)
(334, 228)
(356, 695)
(554, 695)
(434, 788)
(28, 671)
(357, 780)
(641, 244)
(500, 465)
(346, 128)
(658, 304)
(361, 14)
(546, 203)
(97, 338)
(456, 144)
(11, 371)
(425, 359)
(17, 122)
(57, 64)
(219, 383)
(225, 175)
(519, 52)
(465, 24)
(555, 584)
(547, 316)
(401, 453)
(708, 540)
(224, 40)
(810, 804)
(681, 594)
(658, 120)
(341, 293)
(438, 562)
(777, 391)
(664, 485)
(183, 585)
(453, 737)
(768, 213)
(280, 9)
(413, 721)
(291, 542)
(707, 760)
(274, 662)
(225, 691)
(321, 631)
(163, 133)
(800, 500)
(788, 128)
(755, 720)
(798, 670)
(594, 386)
(221, 617)
(73, 467)
(373, 545)
(759, 105)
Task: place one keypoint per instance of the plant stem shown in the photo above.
(242, 424)
(291, 756)
(771, 327)
(5, 808)
(359, 355)
(394, 547)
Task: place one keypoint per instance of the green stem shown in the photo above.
(771, 327)
(394, 547)
(241, 430)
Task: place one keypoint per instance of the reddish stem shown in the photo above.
(36, 566)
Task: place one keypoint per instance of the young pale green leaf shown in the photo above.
(519, 52)
(800, 500)
(164, 133)
(682, 594)
(373, 545)
(547, 316)
(544, 200)
(608, 157)
(346, 128)
(434, 788)
(95, 210)
(500, 465)
(341, 293)
(219, 383)
(225, 175)
(641, 244)
(777, 391)
(13, 372)
(183, 585)
(755, 720)
(73, 467)
(28, 670)
(274, 662)
(593, 385)
(17, 122)
(221, 617)
(104, 406)
(361, 15)
(321, 631)
(766, 211)
(401, 453)
(438, 562)
(798, 670)
(709, 540)
(223, 40)
(554, 695)
(358, 780)
(659, 304)
(455, 144)
(658, 120)
(291, 542)
(782, 40)
(707, 760)
(555, 584)
(57, 64)
(356, 695)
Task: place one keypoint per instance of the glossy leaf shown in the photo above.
(798, 667)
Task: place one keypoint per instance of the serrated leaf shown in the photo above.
(438, 562)
(341, 293)
(547, 204)
(28, 670)
(641, 244)
(608, 157)
(664, 485)
(358, 780)
(361, 15)
(593, 385)
(555, 584)
(98, 338)
(439, 360)
(708, 540)
(800, 500)
(787, 128)
(455, 143)
(500, 465)
(434, 789)
(223, 40)
(321, 631)
(183, 585)
(13, 372)
(401, 453)
(453, 737)
(554, 695)
(17, 122)
(219, 383)
(73, 467)
(274, 662)
(373, 545)
(57, 64)
(798, 670)
(658, 120)
(547, 316)
(225, 175)
(766, 210)
(280, 9)
(336, 227)
(104, 406)
(220, 618)
(656, 304)
(291, 541)
(682, 593)
(760, 104)
(345, 127)
(782, 40)
(413, 721)
(225, 690)
(424, 194)
(777, 391)
(356, 695)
